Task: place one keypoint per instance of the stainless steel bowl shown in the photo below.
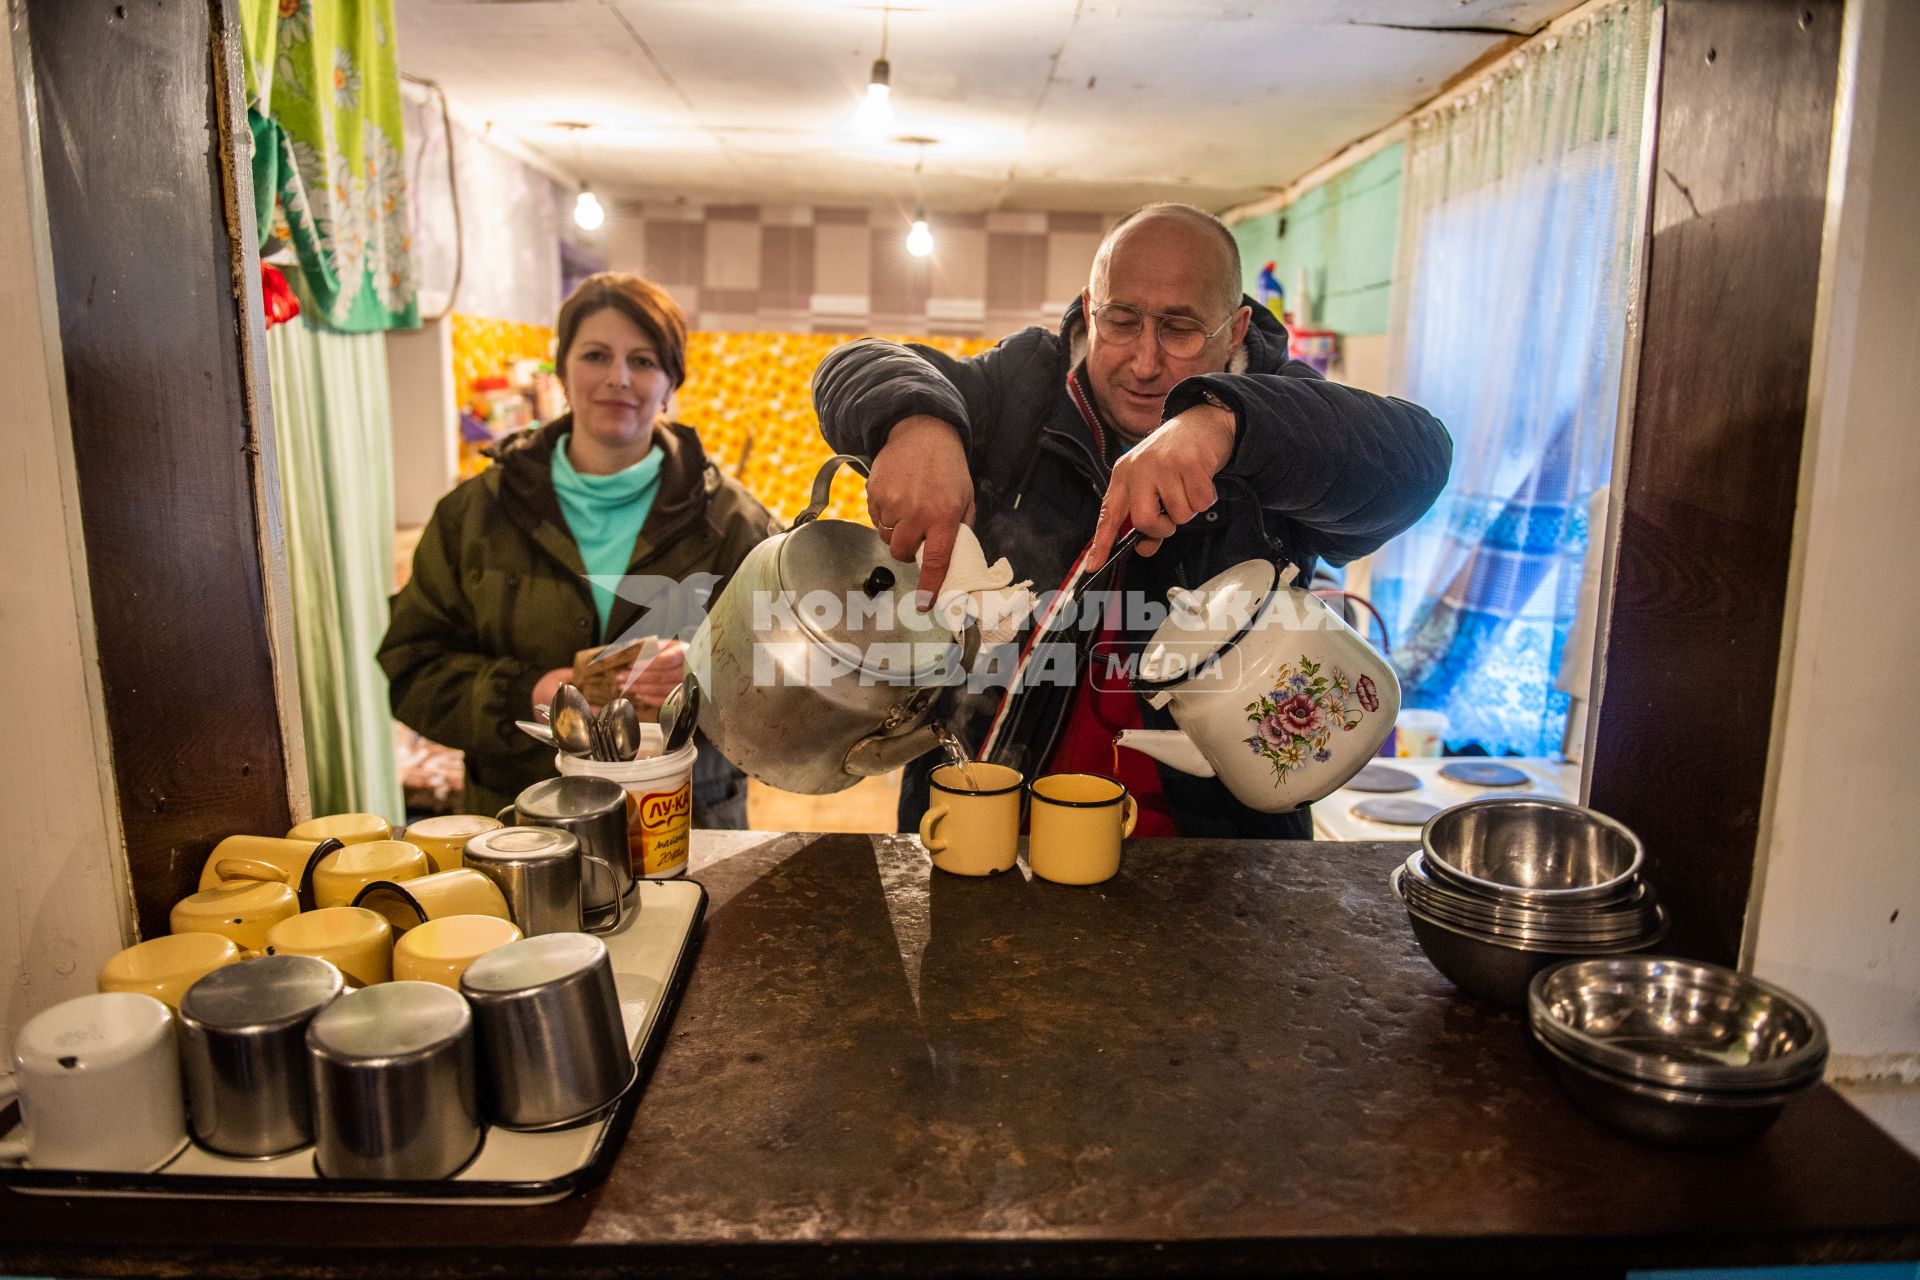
(1570, 934)
(1495, 971)
(1584, 941)
(1534, 851)
(1631, 896)
(1671, 1117)
(1679, 1023)
(1616, 922)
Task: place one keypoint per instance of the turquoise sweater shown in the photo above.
(605, 514)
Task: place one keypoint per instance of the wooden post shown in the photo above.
(157, 313)
(1713, 458)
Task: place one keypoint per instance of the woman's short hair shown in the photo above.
(641, 301)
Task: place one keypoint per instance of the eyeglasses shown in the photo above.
(1181, 337)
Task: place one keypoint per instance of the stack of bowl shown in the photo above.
(1675, 1051)
(1501, 889)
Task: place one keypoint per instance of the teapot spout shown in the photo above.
(876, 753)
(1169, 746)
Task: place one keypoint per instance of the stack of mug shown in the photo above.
(1077, 822)
(382, 981)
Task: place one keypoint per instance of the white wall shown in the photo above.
(64, 900)
(1363, 362)
(426, 422)
(510, 222)
(1837, 913)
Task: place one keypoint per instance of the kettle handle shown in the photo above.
(823, 486)
(1280, 553)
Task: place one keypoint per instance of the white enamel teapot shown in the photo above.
(1275, 694)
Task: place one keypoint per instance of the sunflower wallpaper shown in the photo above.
(748, 395)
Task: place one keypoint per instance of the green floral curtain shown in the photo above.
(323, 92)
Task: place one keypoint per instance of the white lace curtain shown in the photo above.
(1510, 315)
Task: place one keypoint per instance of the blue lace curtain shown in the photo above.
(1510, 314)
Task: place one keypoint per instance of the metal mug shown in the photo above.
(538, 872)
(440, 950)
(243, 1044)
(345, 872)
(98, 1082)
(445, 835)
(243, 910)
(395, 1091)
(348, 828)
(244, 858)
(359, 942)
(594, 812)
(166, 966)
(553, 1045)
(409, 904)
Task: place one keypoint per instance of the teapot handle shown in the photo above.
(823, 486)
(1281, 556)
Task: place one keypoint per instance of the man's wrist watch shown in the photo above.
(1207, 394)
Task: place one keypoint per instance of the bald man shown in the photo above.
(1162, 378)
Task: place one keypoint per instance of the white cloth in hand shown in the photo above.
(982, 592)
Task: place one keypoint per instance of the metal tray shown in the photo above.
(651, 962)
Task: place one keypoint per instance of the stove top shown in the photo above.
(1335, 818)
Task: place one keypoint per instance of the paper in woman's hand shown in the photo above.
(602, 673)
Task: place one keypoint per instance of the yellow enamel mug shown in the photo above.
(972, 823)
(1076, 825)
(358, 942)
(410, 903)
(165, 967)
(239, 909)
(444, 838)
(440, 950)
(240, 858)
(342, 874)
(347, 828)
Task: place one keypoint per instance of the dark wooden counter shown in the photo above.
(1232, 1058)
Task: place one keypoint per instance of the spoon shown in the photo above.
(537, 731)
(622, 724)
(573, 722)
(680, 714)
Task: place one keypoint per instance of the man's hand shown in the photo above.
(921, 490)
(1165, 480)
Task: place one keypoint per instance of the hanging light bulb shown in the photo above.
(920, 235)
(587, 212)
(875, 116)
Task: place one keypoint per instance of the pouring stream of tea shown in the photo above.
(957, 755)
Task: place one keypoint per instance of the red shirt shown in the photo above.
(1101, 708)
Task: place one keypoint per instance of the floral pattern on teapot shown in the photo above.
(1294, 722)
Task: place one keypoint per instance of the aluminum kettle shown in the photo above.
(815, 667)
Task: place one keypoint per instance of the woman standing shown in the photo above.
(607, 522)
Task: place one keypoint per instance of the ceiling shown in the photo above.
(1071, 105)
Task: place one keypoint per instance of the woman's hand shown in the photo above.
(658, 678)
(546, 686)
